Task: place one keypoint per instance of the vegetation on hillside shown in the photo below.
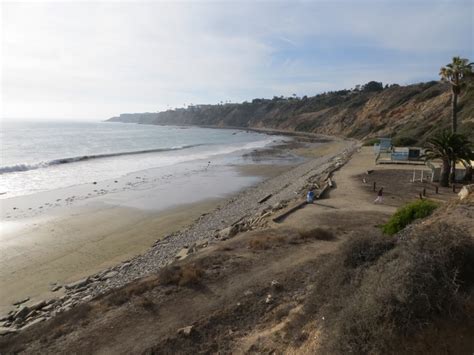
(409, 114)
(386, 295)
(451, 148)
(407, 214)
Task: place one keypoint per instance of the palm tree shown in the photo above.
(450, 148)
(456, 73)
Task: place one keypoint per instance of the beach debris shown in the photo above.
(185, 330)
(124, 266)
(36, 321)
(6, 330)
(95, 182)
(269, 299)
(55, 287)
(228, 232)
(23, 300)
(248, 293)
(109, 275)
(77, 284)
(265, 198)
(21, 313)
(182, 254)
(37, 305)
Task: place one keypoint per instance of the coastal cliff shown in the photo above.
(409, 113)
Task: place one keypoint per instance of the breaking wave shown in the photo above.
(45, 164)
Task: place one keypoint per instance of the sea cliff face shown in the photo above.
(409, 113)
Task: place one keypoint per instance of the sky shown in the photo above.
(92, 60)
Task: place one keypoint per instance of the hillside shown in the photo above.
(407, 113)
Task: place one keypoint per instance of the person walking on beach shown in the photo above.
(379, 198)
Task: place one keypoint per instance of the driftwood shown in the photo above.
(262, 200)
(279, 217)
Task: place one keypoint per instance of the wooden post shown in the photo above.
(454, 187)
(421, 196)
(424, 191)
(375, 184)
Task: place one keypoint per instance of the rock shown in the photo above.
(269, 299)
(466, 191)
(37, 305)
(276, 285)
(186, 330)
(183, 253)
(36, 321)
(22, 313)
(109, 275)
(248, 293)
(55, 288)
(87, 298)
(5, 330)
(228, 232)
(17, 303)
(77, 284)
(124, 266)
(48, 308)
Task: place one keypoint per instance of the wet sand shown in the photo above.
(60, 236)
(64, 249)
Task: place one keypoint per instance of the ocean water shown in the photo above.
(42, 156)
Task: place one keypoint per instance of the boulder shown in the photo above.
(466, 191)
(186, 330)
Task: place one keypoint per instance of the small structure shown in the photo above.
(386, 153)
(436, 166)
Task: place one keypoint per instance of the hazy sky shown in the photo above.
(96, 59)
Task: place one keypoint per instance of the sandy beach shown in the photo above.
(53, 238)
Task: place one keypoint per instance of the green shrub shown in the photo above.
(407, 214)
(404, 141)
(371, 142)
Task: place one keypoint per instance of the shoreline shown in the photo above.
(242, 211)
(77, 237)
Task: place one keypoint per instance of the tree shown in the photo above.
(450, 148)
(456, 73)
(373, 86)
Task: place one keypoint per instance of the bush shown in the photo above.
(381, 295)
(407, 214)
(371, 142)
(189, 274)
(317, 234)
(404, 141)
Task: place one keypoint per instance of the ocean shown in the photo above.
(42, 156)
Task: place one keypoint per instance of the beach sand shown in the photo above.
(61, 236)
(63, 249)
